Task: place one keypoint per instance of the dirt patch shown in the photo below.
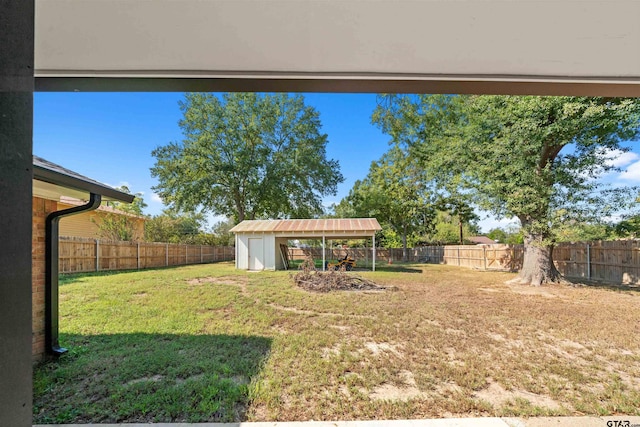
(328, 352)
(191, 378)
(378, 348)
(492, 290)
(543, 291)
(315, 313)
(224, 280)
(409, 389)
(497, 396)
(153, 379)
(496, 337)
(239, 380)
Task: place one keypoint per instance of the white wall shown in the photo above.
(242, 252)
(268, 251)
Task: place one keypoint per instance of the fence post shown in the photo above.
(458, 255)
(201, 259)
(484, 255)
(588, 261)
(186, 254)
(97, 255)
(138, 255)
(166, 255)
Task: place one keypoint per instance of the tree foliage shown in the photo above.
(511, 235)
(247, 156)
(121, 226)
(628, 228)
(446, 229)
(174, 227)
(394, 192)
(535, 158)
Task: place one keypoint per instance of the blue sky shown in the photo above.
(109, 137)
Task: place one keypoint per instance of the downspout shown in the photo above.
(52, 345)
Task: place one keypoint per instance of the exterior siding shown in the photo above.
(268, 250)
(85, 224)
(80, 225)
(242, 252)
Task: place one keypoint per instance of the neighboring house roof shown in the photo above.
(310, 227)
(102, 208)
(481, 240)
(54, 181)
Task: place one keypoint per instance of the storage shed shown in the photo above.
(258, 242)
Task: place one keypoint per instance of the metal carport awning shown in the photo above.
(332, 228)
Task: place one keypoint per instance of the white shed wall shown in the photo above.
(242, 252)
(268, 251)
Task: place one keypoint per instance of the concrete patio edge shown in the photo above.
(617, 421)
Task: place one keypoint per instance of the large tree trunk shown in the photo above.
(537, 266)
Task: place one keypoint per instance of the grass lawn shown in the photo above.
(209, 343)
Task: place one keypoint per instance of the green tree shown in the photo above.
(395, 193)
(581, 232)
(174, 227)
(221, 234)
(247, 156)
(447, 229)
(460, 208)
(121, 226)
(535, 158)
(511, 236)
(628, 228)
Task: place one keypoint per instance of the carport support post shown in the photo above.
(323, 255)
(373, 256)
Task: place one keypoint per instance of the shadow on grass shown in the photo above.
(139, 378)
(67, 278)
(602, 285)
(398, 268)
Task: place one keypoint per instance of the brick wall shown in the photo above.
(41, 208)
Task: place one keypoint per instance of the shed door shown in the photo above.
(256, 254)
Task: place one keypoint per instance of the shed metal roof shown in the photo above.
(291, 226)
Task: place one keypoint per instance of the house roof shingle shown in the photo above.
(77, 185)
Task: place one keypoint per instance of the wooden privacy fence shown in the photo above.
(488, 257)
(615, 262)
(84, 255)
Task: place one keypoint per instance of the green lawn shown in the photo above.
(209, 343)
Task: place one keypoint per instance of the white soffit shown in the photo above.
(55, 192)
(464, 46)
